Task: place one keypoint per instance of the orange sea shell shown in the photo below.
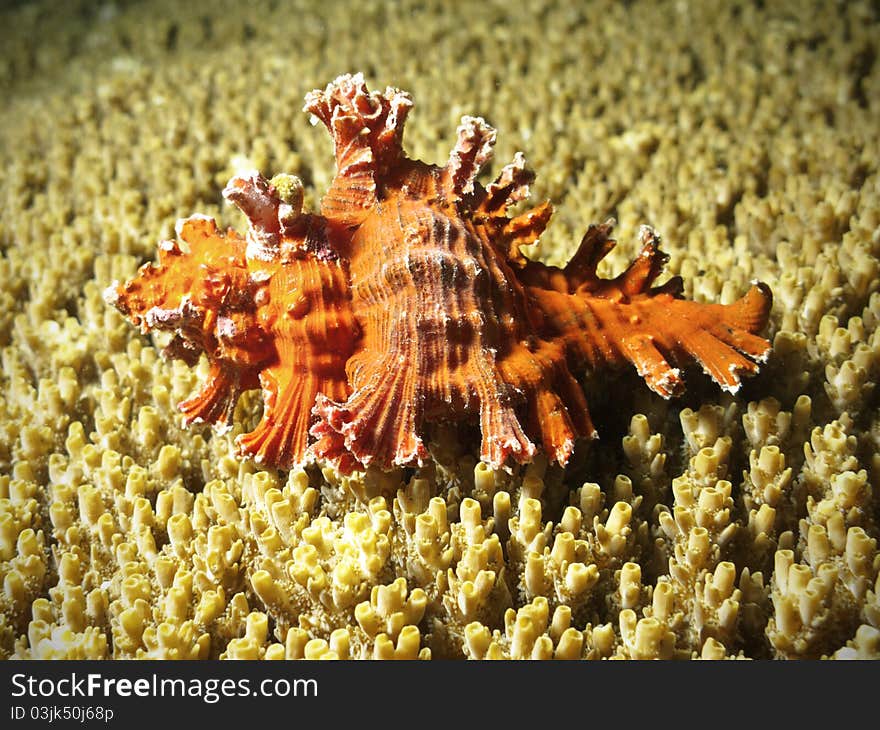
(270, 310)
(409, 301)
(457, 323)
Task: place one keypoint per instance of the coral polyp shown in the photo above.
(408, 300)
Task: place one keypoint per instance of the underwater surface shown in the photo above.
(710, 525)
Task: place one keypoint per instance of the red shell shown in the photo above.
(412, 278)
(270, 311)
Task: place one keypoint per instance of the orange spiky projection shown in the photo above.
(419, 305)
(270, 310)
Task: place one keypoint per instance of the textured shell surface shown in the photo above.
(408, 301)
(440, 312)
(270, 310)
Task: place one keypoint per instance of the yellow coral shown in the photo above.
(123, 535)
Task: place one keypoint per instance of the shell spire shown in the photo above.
(269, 311)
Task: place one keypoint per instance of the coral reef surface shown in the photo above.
(714, 526)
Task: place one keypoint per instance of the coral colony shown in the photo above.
(705, 526)
(408, 301)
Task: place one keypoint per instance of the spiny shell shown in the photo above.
(408, 301)
(270, 311)
(457, 323)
